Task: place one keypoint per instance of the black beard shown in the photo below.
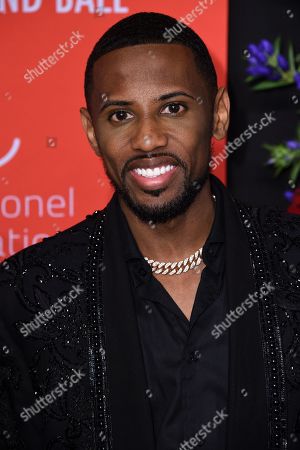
(171, 209)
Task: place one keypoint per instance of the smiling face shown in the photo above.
(151, 120)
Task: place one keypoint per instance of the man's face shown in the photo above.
(155, 139)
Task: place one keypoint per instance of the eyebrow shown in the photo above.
(108, 103)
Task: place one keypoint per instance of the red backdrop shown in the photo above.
(49, 177)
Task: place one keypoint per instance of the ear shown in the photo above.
(89, 130)
(221, 114)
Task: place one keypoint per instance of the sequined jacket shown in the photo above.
(95, 333)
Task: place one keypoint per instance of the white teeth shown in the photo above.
(155, 172)
(149, 172)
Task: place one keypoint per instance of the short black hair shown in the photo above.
(150, 28)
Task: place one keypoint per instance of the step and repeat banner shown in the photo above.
(50, 178)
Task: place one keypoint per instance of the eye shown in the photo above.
(120, 116)
(174, 108)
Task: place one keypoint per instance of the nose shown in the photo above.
(148, 136)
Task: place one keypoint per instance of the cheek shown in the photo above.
(197, 146)
(112, 155)
(111, 139)
(196, 128)
(195, 141)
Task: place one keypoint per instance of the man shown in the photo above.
(176, 309)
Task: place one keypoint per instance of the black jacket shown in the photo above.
(96, 334)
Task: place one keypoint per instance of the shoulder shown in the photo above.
(279, 220)
(34, 278)
(65, 248)
(280, 231)
(273, 222)
(277, 235)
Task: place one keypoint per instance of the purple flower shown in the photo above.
(259, 71)
(293, 145)
(259, 55)
(297, 79)
(289, 195)
(253, 49)
(253, 60)
(258, 62)
(282, 62)
(266, 46)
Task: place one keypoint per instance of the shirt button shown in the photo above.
(195, 355)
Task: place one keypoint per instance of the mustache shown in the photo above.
(179, 161)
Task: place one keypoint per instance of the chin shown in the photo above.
(161, 205)
(163, 209)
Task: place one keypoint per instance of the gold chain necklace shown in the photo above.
(177, 267)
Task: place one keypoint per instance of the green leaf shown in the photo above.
(291, 58)
(249, 78)
(278, 170)
(295, 172)
(270, 85)
(277, 43)
(288, 76)
(273, 59)
(295, 155)
(283, 149)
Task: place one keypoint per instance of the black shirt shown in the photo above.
(186, 367)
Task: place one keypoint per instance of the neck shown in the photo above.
(179, 237)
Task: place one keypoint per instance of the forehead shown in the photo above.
(146, 67)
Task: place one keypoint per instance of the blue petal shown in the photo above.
(259, 71)
(266, 46)
(283, 63)
(289, 195)
(252, 49)
(293, 145)
(297, 79)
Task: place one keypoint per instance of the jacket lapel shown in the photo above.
(130, 409)
(247, 420)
